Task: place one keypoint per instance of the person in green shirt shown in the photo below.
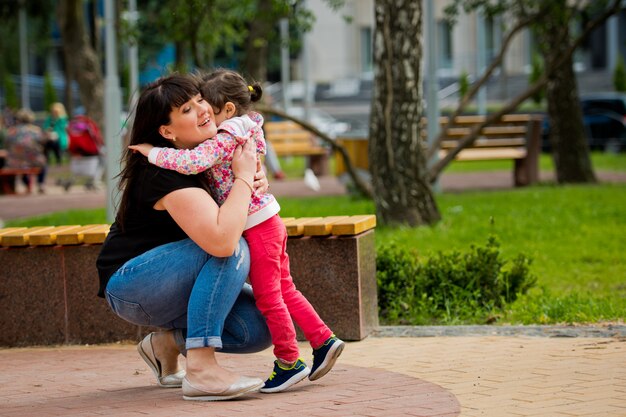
(55, 127)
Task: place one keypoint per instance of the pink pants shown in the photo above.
(275, 293)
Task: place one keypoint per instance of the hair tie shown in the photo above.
(250, 88)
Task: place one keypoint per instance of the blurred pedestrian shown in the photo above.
(55, 127)
(86, 150)
(24, 145)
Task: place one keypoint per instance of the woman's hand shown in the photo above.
(261, 185)
(244, 161)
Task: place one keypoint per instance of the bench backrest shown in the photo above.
(511, 130)
(289, 138)
(97, 233)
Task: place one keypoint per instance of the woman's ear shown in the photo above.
(166, 132)
(230, 109)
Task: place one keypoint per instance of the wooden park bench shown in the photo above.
(515, 137)
(290, 139)
(48, 280)
(8, 175)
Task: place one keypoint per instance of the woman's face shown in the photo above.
(190, 124)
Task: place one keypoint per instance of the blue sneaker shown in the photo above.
(325, 356)
(283, 378)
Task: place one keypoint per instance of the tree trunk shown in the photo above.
(570, 149)
(568, 138)
(402, 191)
(82, 58)
(255, 60)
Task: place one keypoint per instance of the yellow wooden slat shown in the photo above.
(296, 226)
(8, 230)
(97, 234)
(487, 143)
(287, 219)
(322, 227)
(301, 136)
(271, 127)
(354, 225)
(299, 151)
(477, 154)
(75, 236)
(21, 237)
(49, 236)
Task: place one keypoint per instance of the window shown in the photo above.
(366, 49)
(444, 32)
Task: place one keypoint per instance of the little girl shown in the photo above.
(276, 296)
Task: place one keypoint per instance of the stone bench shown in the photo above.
(48, 281)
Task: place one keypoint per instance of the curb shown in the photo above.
(609, 330)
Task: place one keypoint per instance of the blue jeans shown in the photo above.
(203, 298)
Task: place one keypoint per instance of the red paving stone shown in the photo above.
(112, 380)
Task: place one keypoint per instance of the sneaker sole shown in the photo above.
(289, 383)
(329, 361)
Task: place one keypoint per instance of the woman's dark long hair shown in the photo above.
(153, 110)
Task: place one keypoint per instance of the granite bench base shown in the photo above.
(48, 293)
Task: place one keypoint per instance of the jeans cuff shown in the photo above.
(202, 342)
(179, 339)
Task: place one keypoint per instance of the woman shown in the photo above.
(24, 145)
(175, 259)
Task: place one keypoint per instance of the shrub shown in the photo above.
(450, 287)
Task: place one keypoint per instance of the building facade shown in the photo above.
(340, 43)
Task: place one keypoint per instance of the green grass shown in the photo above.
(576, 236)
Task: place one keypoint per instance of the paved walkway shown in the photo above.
(56, 199)
(379, 376)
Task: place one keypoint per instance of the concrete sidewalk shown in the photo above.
(379, 376)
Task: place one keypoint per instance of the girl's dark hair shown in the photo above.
(153, 110)
(223, 85)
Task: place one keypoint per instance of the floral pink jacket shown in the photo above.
(215, 156)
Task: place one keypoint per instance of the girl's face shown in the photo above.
(226, 113)
(190, 124)
(219, 117)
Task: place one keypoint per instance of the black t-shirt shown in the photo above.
(145, 228)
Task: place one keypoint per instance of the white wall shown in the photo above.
(334, 43)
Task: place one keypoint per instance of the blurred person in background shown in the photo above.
(24, 145)
(55, 127)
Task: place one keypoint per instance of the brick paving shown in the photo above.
(379, 376)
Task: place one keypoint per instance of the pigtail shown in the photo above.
(256, 92)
